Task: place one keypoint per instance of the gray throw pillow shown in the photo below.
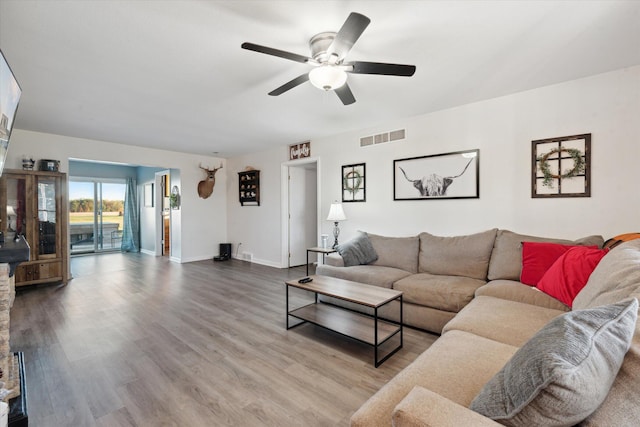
(564, 372)
(357, 251)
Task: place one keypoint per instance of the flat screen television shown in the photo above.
(9, 97)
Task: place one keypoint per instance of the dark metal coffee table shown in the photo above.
(368, 329)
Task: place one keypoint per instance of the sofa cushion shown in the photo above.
(516, 291)
(466, 256)
(506, 257)
(569, 274)
(423, 408)
(357, 251)
(564, 372)
(449, 293)
(615, 278)
(538, 257)
(396, 252)
(368, 274)
(509, 322)
(450, 367)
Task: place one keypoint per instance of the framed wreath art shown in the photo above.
(353, 183)
(561, 167)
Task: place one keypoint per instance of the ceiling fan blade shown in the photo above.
(277, 52)
(290, 85)
(345, 94)
(350, 32)
(381, 68)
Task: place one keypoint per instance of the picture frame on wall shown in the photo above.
(354, 187)
(453, 175)
(561, 167)
(148, 195)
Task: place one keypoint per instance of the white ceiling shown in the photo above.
(172, 75)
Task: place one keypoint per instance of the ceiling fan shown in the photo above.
(328, 51)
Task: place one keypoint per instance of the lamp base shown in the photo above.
(336, 233)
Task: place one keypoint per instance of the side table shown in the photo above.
(323, 251)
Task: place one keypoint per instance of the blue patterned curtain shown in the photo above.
(131, 226)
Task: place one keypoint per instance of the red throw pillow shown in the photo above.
(537, 257)
(568, 275)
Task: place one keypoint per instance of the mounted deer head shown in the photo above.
(205, 187)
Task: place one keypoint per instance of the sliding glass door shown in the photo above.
(96, 209)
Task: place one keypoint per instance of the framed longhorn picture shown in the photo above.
(440, 176)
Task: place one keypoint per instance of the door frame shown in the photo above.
(159, 195)
(284, 206)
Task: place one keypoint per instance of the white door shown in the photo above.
(302, 212)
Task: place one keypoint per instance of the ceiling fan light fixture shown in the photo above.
(328, 77)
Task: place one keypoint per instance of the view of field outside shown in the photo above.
(81, 213)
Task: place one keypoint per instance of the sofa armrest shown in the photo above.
(334, 260)
(424, 408)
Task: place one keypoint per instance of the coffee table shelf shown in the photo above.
(365, 328)
(355, 325)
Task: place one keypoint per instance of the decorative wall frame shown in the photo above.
(148, 195)
(354, 187)
(561, 167)
(441, 176)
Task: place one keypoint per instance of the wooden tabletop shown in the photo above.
(359, 293)
(322, 250)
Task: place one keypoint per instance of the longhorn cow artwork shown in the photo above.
(205, 187)
(437, 177)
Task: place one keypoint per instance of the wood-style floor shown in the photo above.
(135, 340)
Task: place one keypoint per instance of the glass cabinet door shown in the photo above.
(16, 211)
(46, 215)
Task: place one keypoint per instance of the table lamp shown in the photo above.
(336, 213)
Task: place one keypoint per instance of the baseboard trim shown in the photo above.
(147, 252)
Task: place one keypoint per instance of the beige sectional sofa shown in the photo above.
(503, 320)
(439, 276)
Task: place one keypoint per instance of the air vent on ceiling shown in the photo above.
(394, 135)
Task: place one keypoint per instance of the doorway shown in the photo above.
(96, 215)
(300, 210)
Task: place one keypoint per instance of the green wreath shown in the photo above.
(578, 165)
(356, 178)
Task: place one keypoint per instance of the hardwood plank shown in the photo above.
(135, 340)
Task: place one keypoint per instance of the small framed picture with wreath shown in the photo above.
(561, 167)
(353, 183)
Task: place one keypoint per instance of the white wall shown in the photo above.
(201, 222)
(606, 105)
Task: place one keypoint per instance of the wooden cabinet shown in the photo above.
(249, 187)
(34, 204)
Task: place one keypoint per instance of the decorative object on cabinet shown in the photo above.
(205, 187)
(49, 165)
(39, 201)
(249, 187)
(27, 163)
(175, 197)
(561, 167)
(336, 214)
(353, 183)
(148, 195)
(440, 176)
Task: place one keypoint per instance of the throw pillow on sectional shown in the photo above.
(564, 372)
(570, 273)
(538, 257)
(357, 251)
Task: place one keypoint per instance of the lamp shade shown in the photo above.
(11, 211)
(327, 77)
(336, 213)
